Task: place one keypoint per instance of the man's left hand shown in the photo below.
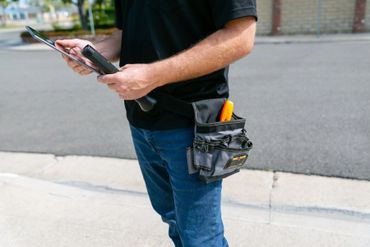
(133, 81)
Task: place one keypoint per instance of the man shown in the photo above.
(180, 48)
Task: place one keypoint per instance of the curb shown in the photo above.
(262, 190)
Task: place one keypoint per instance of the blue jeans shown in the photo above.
(190, 207)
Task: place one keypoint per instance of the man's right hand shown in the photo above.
(74, 47)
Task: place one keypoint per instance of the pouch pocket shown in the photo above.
(219, 149)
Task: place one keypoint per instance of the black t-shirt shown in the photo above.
(157, 29)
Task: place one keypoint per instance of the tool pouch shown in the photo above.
(219, 149)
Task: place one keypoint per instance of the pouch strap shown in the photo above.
(175, 105)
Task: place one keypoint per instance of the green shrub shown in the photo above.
(103, 17)
(57, 27)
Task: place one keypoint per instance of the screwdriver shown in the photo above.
(227, 111)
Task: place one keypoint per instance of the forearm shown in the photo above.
(110, 47)
(218, 50)
(213, 53)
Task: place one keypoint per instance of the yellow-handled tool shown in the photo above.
(227, 111)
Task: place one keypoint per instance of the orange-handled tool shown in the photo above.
(227, 111)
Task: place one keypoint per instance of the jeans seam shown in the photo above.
(150, 139)
(214, 225)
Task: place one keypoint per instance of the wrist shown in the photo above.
(165, 72)
(157, 74)
(110, 47)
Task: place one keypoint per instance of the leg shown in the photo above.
(156, 179)
(197, 205)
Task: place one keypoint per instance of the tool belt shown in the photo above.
(219, 149)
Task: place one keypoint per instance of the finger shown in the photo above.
(65, 58)
(68, 59)
(107, 79)
(68, 42)
(122, 91)
(75, 51)
(59, 46)
(77, 54)
(126, 96)
(125, 66)
(73, 65)
(85, 72)
(112, 86)
(79, 68)
(82, 70)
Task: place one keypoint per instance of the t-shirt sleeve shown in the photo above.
(119, 14)
(224, 11)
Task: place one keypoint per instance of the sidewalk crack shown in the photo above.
(43, 169)
(275, 178)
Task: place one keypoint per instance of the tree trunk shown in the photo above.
(3, 16)
(52, 12)
(81, 12)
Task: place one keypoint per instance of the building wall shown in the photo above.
(338, 15)
(264, 11)
(367, 18)
(298, 16)
(301, 16)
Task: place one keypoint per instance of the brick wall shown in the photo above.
(264, 11)
(300, 16)
(367, 19)
(338, 15)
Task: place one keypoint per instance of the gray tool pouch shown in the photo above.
(219, 149)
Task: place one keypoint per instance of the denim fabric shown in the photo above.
(190, 207)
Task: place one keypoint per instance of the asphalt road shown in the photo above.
(307, 108)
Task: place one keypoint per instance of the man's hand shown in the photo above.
(109, 47)
(74, 47)
(218, 50)
(133, 81)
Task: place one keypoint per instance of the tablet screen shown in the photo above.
(42, 38)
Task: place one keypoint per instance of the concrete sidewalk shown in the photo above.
(89, 201)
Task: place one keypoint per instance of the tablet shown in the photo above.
(42, 38)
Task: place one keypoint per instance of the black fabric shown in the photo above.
(157, 29)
